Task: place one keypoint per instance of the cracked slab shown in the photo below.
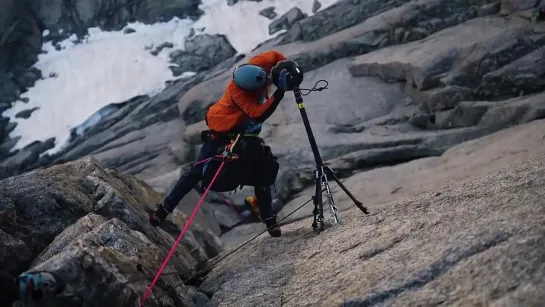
(477, 239)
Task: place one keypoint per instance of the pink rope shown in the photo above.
(184, 230)
(207, 159)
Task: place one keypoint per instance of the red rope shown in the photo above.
(184, 230)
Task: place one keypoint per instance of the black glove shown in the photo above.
(282, 82)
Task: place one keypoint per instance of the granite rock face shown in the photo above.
(461, 62)
(90, 225)
(432, 117)
(463, 229)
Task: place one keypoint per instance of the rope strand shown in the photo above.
(315, 88)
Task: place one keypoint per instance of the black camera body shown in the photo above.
(294, 77)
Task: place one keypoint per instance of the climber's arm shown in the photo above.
(258, 112)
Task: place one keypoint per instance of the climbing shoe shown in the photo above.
(38, 285)
(158, 215)
(272, 226)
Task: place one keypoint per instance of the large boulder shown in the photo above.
(37, 206)
(111, 265)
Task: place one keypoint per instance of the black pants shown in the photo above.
(189, 179)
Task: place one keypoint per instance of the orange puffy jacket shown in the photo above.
(236, 107)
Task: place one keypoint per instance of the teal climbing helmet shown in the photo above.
(250, 77)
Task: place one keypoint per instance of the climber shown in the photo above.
(244, 106)
(28, 287)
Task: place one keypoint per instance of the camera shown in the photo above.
(294, 74)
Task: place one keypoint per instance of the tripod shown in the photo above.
(322, 173)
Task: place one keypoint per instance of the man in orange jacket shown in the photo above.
(244, 106)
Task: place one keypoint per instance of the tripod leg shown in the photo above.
(315, 213)
(356, 202)
(319, 200)
(334, 216)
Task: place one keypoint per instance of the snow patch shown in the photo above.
(105, 68)
(113, 67)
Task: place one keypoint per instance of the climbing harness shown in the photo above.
(322, 174)
(250, 163)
